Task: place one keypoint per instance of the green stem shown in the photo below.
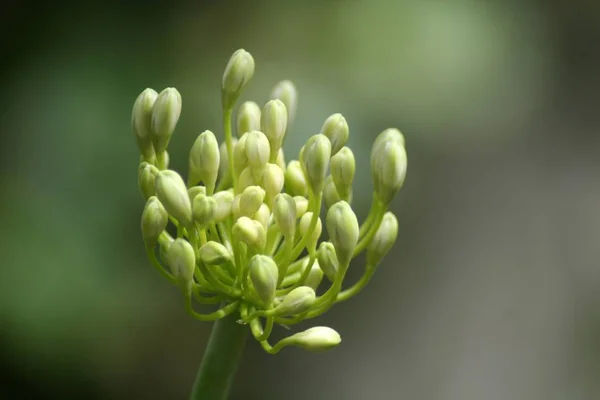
(220, 361)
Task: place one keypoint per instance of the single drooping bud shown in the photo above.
(250, 232)
(224, 157)
(330, 193)
(203, 209)
(295, 181)
(165, 114)
(273, 122)
(146, 174)
(195, 191)
(182, 261)
(343, 167)
(315, 160)
(154, 221)
(316, 339)
(141, 120)
(250, 200)
(203, 163)
(224, 200)
(286, 92)
(295, 302)
(238, 72)
(173, 194)
(264, 274)
(213, 253)
(337, 131)
(328, 260)
(304, 224)
(388, 168)
(272, 181)
(315, 276)
(284, 211)
(343, 230)
(248, 118)
(384, 239)
(257, 149)
(301, 205)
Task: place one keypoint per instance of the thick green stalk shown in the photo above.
(221, 358)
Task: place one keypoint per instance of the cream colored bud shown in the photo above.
(388, 168)
(301, 205)
(165, 114)
(224, 157)
(295, 181)
(213, 253)
(330, 193)
(146, 175)
(286, 92)
(224, 200)
(250, 200)
(203, 162)
(343, 167)
(257, 149)
(248, 118)
(315, 234)
(272, 181)
(384, 239)
(154, 221)
(316, 339)
(343, 230)
(315, 161)
(195, 191)
(263, 215)
(273, 123)
(238, 72)
(281, 160)
(250, 232)
(328, 260)
(240, 161)
(182, 261)
(296, 302)
(315, 276)
(246, 180)
(337, 131)
(172, 193)
(284, 211)
(264, 274)
(203, 209)
(141, 120)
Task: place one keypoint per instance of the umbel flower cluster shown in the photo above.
(245, 225)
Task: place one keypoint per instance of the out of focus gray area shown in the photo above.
(493, 289)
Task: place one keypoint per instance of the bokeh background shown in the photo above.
(493, 289)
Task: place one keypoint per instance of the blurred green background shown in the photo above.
(493, 289)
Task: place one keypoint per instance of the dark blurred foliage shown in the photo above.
(493, 290)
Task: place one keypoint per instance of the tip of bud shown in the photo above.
(286, 92)
(337, 131)
(248, 118)
(238, 72)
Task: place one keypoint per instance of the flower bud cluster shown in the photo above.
(244, 228)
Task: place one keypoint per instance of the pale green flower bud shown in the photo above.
(284, 211)
(328, 260)
(246, 179)
(224, 200)
(213, 253)
(146, 175)
(250, 232)
(240, 161)
(343, 229)
(248, 118)
(195, 191)
(264, 274)
(182, 261)
(154, 221)
(316, 339)
(301, 205)
(337, 131)
(295, 181)
(388, 168)
(238, 72)
(224, 157)
(296, 302)
(173, 194)
(316, 233)
(141, 120)
(286, 92)
(203, 209)
(165, 114)
(272, 180)
(384, 239)
(273, 122)
(281, 160)
(263, 215)
(166, 159)
(250, 200)
(203, 162)
(164, 242)
(389, 134)
(330, 193)
(257, 149)
(315, 276)
(315, 160)
(343, 167)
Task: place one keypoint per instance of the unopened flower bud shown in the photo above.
(343, 229)
(173, 194)
(316, 339)
(384, 239)
(388, 168)
(195, 191)
(280, 160)
(248, 118)
(295, 181)
(213, 253)
(238, 72)
(315, 234)
(154, 221)
(182, 261)
(296, 302)
(141, 120)
(246, 179)
(337, 131)
(301, 205)
(203, 209)
(389, 134)
(274, 123)
(284, 211)
(328, 260)
(263, 215)
(257, 149)
(224, 157)
(286, 92)
(264, 274)
(203, 162)
(272, 181)
(146, 175)
(330, 193)
(240, 161)
(251, 199)
(343, 167)
(315, 276)
(165, 114)
(315, 160)
(224, 200)
(250, 232)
